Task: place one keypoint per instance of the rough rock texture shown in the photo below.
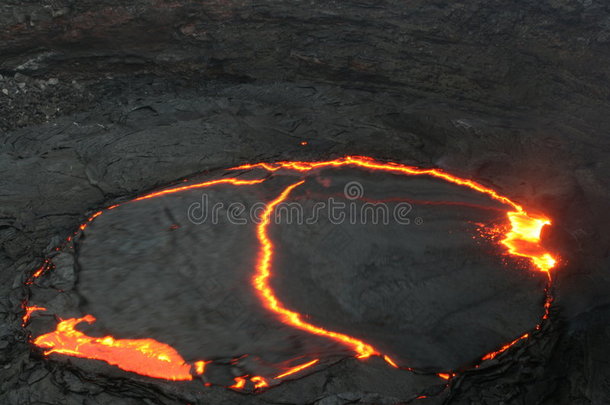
(103, 100)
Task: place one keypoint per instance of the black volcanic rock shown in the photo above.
(103, 100)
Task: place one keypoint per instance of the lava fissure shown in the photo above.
(29, 310)
(297, 369)
(266, 293)
(232, 181)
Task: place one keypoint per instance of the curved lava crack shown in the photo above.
(158, 360)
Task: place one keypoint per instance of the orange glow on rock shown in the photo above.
(259, 382)
(267, 295)
(38, 272)
(90, 219)
(142, 356)
(523, 239)
(240, 382)
(366, 162)
(296, 369)
(390, 361)
(29, 311)
(504, 348)
(232, 181)
(200, 366)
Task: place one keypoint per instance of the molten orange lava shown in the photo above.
(232, 181)
(524, 239)
(366, 162)
(240, 382)
(270, 301)
(259, 382)
(296, 369)
(29, 311)
(504, 348)
(200, 366)
(91, 218)
(390, 361)
(143, 356)
(38, 272)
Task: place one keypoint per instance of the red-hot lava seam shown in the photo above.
(45, 266)
(270, 301)
(296, 369)
(155, 359)
(522, 240)
(28, 313)
(232, 181)
(240, 382)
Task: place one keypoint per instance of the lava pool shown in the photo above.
(248, 277)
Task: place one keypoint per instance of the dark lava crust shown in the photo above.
(101, 101)
(425, 288)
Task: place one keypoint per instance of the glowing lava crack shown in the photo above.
(268, 297)
(158, 360)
